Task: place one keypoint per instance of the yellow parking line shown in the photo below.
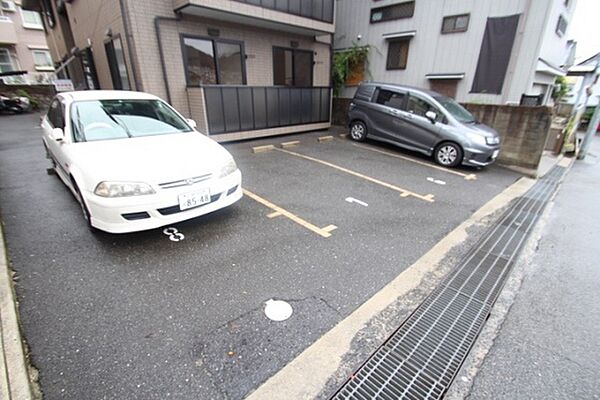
(468, 177)
(403, 192)
(277, 211)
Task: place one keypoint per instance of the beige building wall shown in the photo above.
(258, 44)
(28, 39)
(91, 21)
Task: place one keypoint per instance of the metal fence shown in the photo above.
(247, 108)
(321, 10)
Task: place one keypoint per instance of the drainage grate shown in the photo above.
(420, 360)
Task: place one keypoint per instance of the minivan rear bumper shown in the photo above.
(480, 158)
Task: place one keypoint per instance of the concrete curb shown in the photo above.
(14, 374)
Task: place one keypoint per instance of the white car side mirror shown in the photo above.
(191, 123)
(431, 116)
(57, 134)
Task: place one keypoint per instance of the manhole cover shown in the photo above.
(278, 310)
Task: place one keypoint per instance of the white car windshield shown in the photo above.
(118, 119)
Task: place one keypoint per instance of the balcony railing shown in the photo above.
(246, 108)
(321, 10)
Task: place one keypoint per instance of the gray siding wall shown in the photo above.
(432, 52)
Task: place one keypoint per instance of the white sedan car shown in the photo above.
(134, 163)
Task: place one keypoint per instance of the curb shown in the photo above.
(14, 374)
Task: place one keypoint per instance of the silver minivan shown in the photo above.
(424, 121)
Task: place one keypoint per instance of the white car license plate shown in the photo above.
(194, 199)
(495, 154)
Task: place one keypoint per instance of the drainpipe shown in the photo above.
(124, 16)
(160, 49)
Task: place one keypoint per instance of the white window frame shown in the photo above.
(11, 6)
(42, 67)
(12, 63)
(28, 25)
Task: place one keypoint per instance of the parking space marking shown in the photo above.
(278, 211)
(403, 192)
(468, 177)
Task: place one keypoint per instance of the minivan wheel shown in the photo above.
(358, 131)
(448, 154)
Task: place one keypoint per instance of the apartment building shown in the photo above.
(484, 51)
(239, 68)
(24, 55)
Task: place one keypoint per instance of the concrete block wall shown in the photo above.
(523, 131)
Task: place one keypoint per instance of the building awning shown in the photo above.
(399, 35)
(582, 69)
(459, 75)
(544, 67)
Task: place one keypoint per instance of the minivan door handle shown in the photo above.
(394, 111)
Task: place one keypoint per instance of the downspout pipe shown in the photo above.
(157, 21)
(126, 28)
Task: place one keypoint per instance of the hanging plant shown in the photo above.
(349, 67)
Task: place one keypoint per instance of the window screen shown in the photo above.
(455, 23)
(230, 63)
(292, 67)
(395, 11)
(397, 54)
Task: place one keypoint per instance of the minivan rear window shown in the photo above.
(390, 99)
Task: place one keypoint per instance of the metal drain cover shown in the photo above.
(278, 310)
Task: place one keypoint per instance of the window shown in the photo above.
(42, 60)
(209, 61)
(397, 53)
(7, 5)
(395, 11)
(116, 63)
(420, 107)
(561, 26)
(292, 67)
(6, 64)
(55, 115)
(455, 23)
(31, 19)
(390, 99)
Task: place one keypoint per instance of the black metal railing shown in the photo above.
(247, 108)
(321, 10)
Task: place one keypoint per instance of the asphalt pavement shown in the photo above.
(548, 346)
(139, 316)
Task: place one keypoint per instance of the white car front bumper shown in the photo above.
(138, 213)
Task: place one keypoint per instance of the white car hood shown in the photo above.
(150, 159)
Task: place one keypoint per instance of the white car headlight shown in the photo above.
(228, 168)
(123, 189)
(476, 138)
(492, 140)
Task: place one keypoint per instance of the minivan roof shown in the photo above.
(403, 87)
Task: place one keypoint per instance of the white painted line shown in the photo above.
(437, 181)
(353, 200)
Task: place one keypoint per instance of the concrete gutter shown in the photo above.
(14, 373)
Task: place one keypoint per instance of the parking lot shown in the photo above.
(324, 224)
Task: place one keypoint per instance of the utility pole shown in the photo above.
(589, 134)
